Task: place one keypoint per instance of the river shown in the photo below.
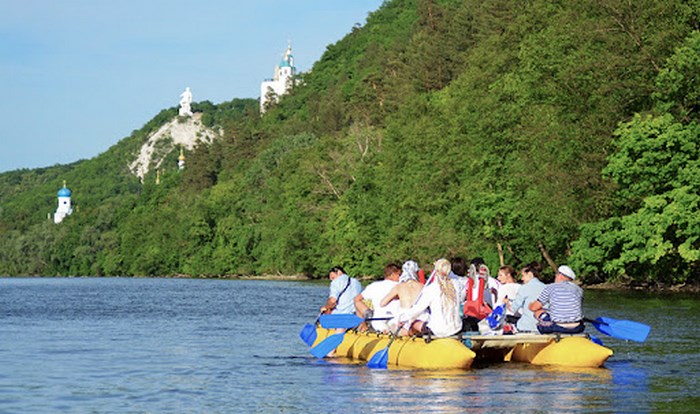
(151, 345)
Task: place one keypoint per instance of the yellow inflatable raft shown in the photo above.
(453, 353)
(445, 353)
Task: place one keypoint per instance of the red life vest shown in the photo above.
(475, 306)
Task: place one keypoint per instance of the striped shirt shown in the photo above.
(563, 302)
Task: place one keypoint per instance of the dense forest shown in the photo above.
(564, 132)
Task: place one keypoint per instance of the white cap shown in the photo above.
(566, 271)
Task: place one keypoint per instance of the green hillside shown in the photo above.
(532, 130)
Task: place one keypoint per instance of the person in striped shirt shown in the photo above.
(559, 308)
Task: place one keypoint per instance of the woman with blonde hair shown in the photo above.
(442, 299)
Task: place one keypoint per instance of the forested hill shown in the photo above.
(564, 132)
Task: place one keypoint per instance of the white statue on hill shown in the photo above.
(185, 102)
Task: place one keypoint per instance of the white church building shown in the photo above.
(272, 89)
(64, 207)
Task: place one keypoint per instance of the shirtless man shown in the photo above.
(406, 291)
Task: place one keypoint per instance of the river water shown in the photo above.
(121, 345)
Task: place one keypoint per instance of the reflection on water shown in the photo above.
(630, 382)
(418, 390)
(501, 387)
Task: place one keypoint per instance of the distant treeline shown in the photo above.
(564, 132)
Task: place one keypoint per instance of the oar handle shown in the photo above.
(595, 321)
(394, 335)
(318, 318)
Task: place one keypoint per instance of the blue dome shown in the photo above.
(64, 192)
(284, 64)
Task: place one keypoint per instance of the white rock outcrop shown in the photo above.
(186, 132)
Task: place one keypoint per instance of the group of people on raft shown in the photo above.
(459, 297)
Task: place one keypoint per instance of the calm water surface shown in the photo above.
(118, 345)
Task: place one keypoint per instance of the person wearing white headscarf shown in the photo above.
(405, 293)
(441, 298)
(409, 271)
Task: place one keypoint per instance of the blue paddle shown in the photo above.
(345, 320)
(621, 329)
(327, 345)
(332, 342)
(308, 332)
(380, 359)
(595, 340)
(340, 320)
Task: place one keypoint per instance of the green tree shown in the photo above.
(654, 233)
(657, 236)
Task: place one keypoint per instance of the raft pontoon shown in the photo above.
(460, 352)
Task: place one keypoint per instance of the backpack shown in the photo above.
(475, 306)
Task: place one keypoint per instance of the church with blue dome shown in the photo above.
(272, 89)
(64, 192)
(64, 204)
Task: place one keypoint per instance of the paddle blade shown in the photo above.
(595, 340)
(379, 360)
(629, 330)
(327, 345)
(308, 334)
(340, 320)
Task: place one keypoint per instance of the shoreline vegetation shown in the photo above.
(611, 286)
(659, 287)
(680, 288)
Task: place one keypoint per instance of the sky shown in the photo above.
(77, 76)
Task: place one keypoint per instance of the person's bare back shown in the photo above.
(406, 292)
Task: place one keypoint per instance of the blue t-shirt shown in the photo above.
(528, 293)
(563, 302)
(346, 302)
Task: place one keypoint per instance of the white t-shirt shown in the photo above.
(375, 292)
(509, 290)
